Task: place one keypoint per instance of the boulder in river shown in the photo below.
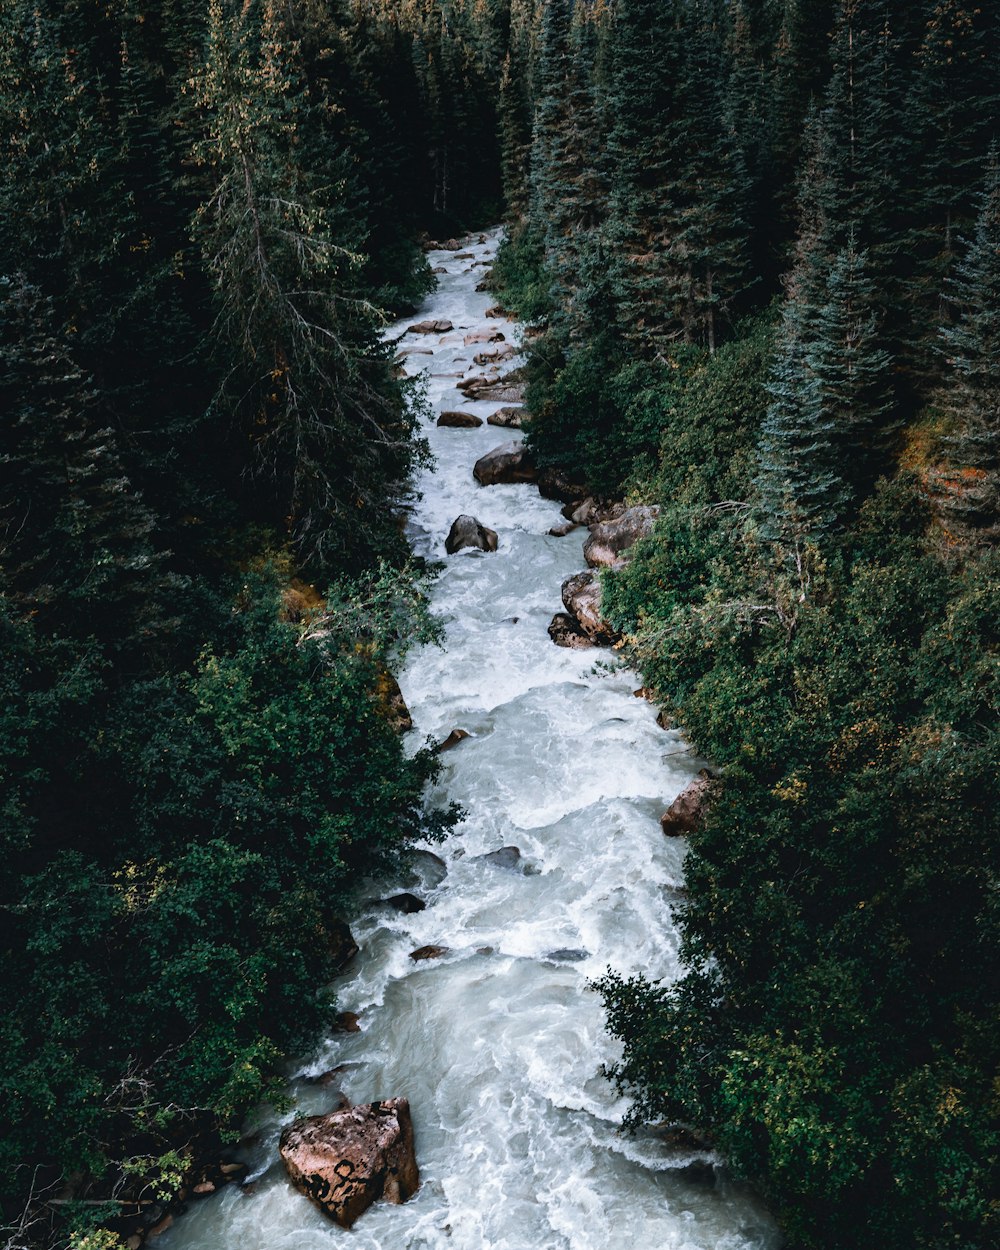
(499, 311)
(565, 631)
(509, 462)
(428, 952)
(345, 1161)
(406, 903)
(454, 738)
(581, 596)
(506, 857)
(488, 335)
(609, 541)
(511, 418)
(460, 420)
(467, 532)
(430, 327)
(494, 356)
(685, 813)
(343, 947)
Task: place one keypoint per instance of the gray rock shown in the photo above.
(609, 541)
(465, 532)
(509, 462)
(565, 631)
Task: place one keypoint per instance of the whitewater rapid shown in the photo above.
(498, 1045)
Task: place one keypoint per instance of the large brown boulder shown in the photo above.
(512, 418)
(345, 1161)
(685, 813)
(610, 540)
(466, 531)
(509, 462)
(581, 596)
(460, 420)
(489, 335)
(430, 327)
(565, 631)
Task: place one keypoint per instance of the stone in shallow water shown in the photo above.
(345, 1161)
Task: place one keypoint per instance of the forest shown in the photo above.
(758, 244)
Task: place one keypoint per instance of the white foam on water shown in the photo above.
(500, 1043)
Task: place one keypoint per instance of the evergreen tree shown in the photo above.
(971, 395)
(313, 383)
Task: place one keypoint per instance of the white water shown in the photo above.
(497, 1047)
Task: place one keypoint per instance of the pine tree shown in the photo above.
(313, 383)
(971, 395)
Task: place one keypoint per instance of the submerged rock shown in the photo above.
(509, 462)
(685, 813)
(567, 955)
(343, 947)
(610, 540)
(459, 420)
(467, 532)
(508, 857)
(345, 1161)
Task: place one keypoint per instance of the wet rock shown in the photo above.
(566, 632)
(406, 903)
(497, 356)
(345, 1161)
(581, 596)
(346, 1022)
(159, 1229)
(233, 1171)
(467, 532)
(686, 811)
(567, 955)
(485, 336)
(460, 420)
(508, 857)
(439, 269)
(454, 738)
(499, 311)
(203, 1189)
(509, 462)
(609, 541)
(343, 947)
(430, 327)
(429, 869)
(508, 389)
(663, 720)
(466, 256)
(590, 511)
(510, 418)
(560, 531)
(428, 952)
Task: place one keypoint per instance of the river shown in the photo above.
(498, 1044)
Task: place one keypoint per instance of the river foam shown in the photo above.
(499, 1044)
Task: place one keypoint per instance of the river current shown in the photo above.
(498, 1044)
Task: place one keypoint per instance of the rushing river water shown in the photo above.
(498, 1045)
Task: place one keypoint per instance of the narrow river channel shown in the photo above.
(498, 1044)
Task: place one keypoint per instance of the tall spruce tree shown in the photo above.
(971, 394)
(312, 382)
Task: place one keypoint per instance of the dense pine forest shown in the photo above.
(758, 242)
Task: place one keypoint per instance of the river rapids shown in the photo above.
(499, 1044)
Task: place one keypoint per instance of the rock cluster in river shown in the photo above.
(345, 1161)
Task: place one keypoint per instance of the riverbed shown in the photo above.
(499, 1043)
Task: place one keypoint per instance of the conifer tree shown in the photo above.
(971, 395)
(313, 383)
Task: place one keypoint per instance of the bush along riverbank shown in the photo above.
(817, 604)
